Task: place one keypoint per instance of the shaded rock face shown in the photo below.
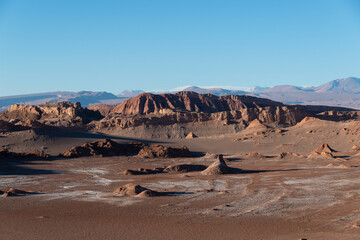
(54, 114)
(168, 169)
(143, 171)
(164, 152)
(107, 147)
(103, 109)
(6, 126)
(185, 168)
(35, 154)
(104, 147)
(339, 115)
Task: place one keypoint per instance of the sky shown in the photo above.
(67, 45)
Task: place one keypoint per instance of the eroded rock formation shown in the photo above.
(55, 114)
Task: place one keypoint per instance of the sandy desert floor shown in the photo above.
(298, 196)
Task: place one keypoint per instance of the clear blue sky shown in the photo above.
(73, 45)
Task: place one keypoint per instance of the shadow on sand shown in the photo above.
(160, 194)
(56, 132)
(14, 167)
(244, 171)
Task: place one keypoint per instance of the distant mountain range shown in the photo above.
(86, 98)
(340, 92)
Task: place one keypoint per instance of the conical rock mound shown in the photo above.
(256, 125)
(191, 135)
(355, 148)
(324, 148)
(218, 167)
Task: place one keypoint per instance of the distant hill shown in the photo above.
(345, 85)
(285, 88)
(215, 91)
(129, 93)
(86, 98)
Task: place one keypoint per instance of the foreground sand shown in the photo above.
(273, 198)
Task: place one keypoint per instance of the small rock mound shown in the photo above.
(105, 147)
(6, 126)
(134, 190)
(210, 155)
(308, 120)
(285, 145)
(355, 148)
(13, 192)
(142, 171)
(35, 154)
(218, 167)
(338, 166)
(184, 168)
(289, 154)
(323, 148)
(255, 154)
(322, 154)
(191, 135)
(256, 125)
(154, 151)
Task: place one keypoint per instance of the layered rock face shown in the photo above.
(189, 107)
(146, 103)
(54, 114)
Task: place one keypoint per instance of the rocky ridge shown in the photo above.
(54, 114)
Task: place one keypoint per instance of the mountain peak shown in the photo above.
(344, 85)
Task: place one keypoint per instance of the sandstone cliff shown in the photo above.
(146, 103)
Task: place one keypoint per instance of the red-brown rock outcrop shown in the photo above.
(146, 103)
(134, 190)
(54, 114)
(35, 154)
(105, 147)
(218, 167)
(154, 151)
